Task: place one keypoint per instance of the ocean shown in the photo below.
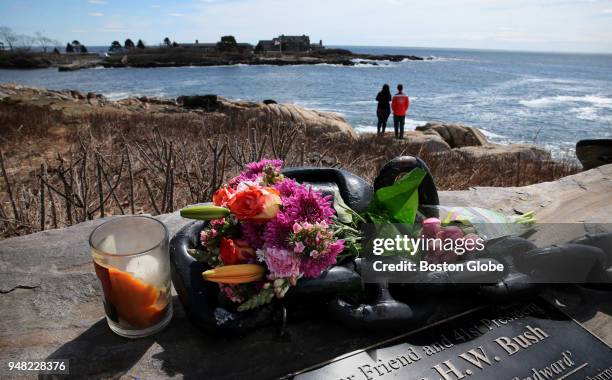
(551, 99)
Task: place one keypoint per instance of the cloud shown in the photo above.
(155, 6)
(175, 14)
(96, 14)
(607, 11)
(98, 2)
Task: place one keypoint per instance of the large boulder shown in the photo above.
(526, 152)
(208, 102)
(456, 135)
(312, 121)
(415, 141)
(594, 153)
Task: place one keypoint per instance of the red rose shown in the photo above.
(255, 204)
(221, 196)
(235, 251)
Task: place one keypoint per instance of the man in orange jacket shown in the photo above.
(399, 105)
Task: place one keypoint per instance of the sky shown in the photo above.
(527, 25)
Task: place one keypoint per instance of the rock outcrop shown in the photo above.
(75, 102)
(594, 153)
(432, 137)
(466, 141)
(582, 197)
(456, 135)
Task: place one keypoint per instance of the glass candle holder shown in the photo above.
(131, 259)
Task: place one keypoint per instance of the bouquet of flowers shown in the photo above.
(266, 232)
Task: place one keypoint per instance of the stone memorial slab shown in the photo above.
(529, 341)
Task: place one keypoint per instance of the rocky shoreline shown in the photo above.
(178, 57)
(466, 141)
(342, 59)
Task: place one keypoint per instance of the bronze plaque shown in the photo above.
(531, 341)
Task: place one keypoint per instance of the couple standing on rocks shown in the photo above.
(399, 104)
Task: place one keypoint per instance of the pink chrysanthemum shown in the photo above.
(287, 187)
(312, 268)
(281, 263)
(258, 167)
(308, 205)
(254, 171)
(277, 231)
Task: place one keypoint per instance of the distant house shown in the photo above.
(264, 46)
(226, 44)
(288, 44)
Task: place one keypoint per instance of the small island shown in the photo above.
(281, 50)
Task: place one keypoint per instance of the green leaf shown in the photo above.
(343, 211)
(398, 202)
(259, 299)
(210, 258)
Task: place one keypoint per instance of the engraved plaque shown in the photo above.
(531, 341)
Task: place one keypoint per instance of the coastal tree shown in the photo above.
(140, 44)
(115, 46)
(128, 44)
(69, 48)
(25, 42)
(76, 46)
(167, 42)
(9, 38)
(174, 44)
(56, 51)
(44, 42)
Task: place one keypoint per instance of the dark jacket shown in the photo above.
(383, 99)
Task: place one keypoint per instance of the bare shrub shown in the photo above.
(58, 170)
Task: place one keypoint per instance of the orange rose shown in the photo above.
(221, 196)
(255, 204)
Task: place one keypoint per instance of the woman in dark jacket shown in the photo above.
(384, 109)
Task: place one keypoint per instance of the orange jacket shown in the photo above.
(400, 104)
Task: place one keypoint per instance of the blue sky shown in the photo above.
(534, 25)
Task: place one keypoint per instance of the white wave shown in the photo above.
(491, 135)
(410, 124)
(361, 62)
(548, 101)
(433, 58)
(591, 114)
(119, 95)
(365, 128)
(155, 93)
(328, 64)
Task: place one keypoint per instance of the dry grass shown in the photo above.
(59, 170)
